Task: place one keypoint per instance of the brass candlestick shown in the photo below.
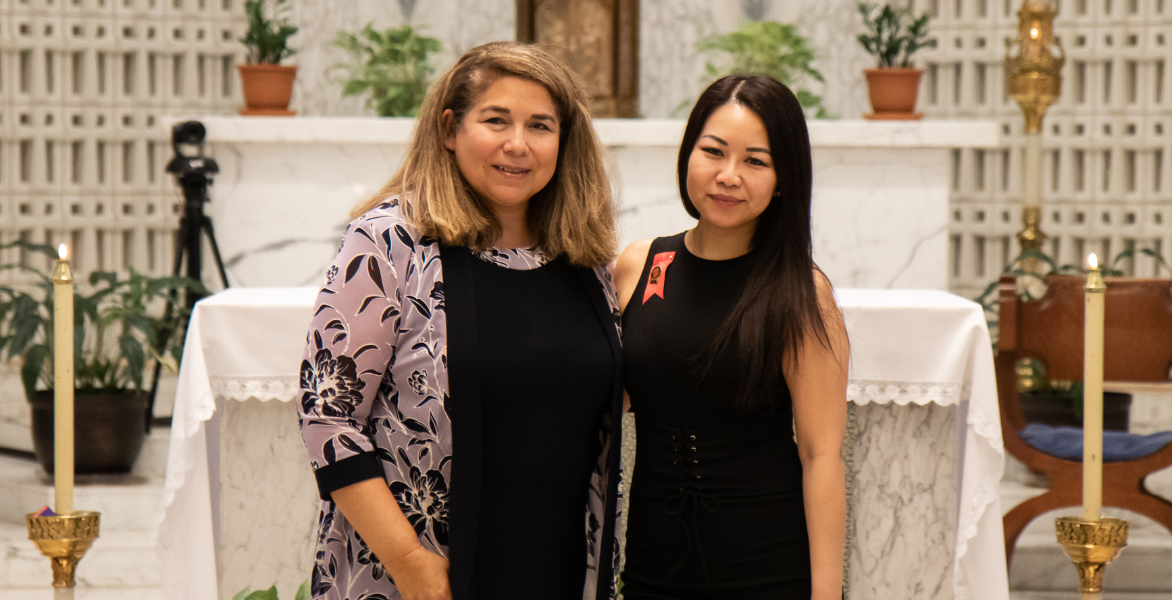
(1090, 546)
(64, 539)
(1033, 77)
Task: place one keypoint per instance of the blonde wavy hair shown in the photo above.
(573, 214)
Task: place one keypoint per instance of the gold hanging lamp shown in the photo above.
(1033, 77)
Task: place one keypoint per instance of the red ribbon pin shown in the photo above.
(657, 276)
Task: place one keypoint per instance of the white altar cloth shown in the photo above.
(907, 347)
(241, 343)
(927, 346)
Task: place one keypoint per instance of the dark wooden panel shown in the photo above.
(599, 39)
(1138, 328)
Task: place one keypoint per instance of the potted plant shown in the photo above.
(266, 84)
(1059, 403)
(390, 67)
(116, 338)
(893, 36)
(768, 48)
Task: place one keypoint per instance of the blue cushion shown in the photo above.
(1066, 442)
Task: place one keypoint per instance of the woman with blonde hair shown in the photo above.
(460, 390)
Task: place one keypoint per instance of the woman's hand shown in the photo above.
(370, 507)
(421, 575)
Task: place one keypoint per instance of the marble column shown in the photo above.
(904, 486)
(264, 497)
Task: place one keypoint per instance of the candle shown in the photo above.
(63, 384)
(1092, 405)
(1032, 173)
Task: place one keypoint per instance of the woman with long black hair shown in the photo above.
(735, 361)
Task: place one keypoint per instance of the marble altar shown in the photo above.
(924, 450)
(881, 189)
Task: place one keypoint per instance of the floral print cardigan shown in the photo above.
(377, 401)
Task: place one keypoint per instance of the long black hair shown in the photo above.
(779, 304)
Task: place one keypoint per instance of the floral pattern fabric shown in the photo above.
(374, 382)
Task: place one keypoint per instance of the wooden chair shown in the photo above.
(1137, 347)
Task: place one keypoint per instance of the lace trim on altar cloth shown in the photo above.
(858, 391)
(275, 387)
(862, 391)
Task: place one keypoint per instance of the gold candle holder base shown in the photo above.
(64, 539)
(1090, 546)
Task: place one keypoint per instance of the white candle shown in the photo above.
(1092, 405)
(63, 384)
(1032, 174)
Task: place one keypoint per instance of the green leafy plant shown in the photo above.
(267, 38)
(390, 67)
(115, 332)
(769, 48)
(271, 593)
(893, 34)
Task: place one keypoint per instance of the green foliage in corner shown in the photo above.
(271, 593)
(768, 48)
(119, 326)
(390, 67)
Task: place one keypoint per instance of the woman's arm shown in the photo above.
(370, 507)
(818, 386)
(349, 348)
(627, 269)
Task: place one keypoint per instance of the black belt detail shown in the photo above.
(690, 499)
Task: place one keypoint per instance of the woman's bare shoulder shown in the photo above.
(627, 269)
(822, 284)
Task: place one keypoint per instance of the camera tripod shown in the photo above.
(194, 174)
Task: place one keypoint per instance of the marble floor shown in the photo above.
(154, 594)
(1039, 565)
(122, 565)
(92, 594)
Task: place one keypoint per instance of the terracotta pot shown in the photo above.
(1051, 408)
(267, 89)
(108, 430)
(893, 92)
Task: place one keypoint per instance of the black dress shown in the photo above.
(716, 507)
(541, 349)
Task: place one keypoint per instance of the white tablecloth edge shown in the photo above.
(187, 557)
(984, 465)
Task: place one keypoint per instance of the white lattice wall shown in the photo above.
(1107, 142)
(83, 85)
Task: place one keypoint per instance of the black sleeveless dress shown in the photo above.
(716, 507)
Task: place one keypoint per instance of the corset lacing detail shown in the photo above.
(690, 497)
